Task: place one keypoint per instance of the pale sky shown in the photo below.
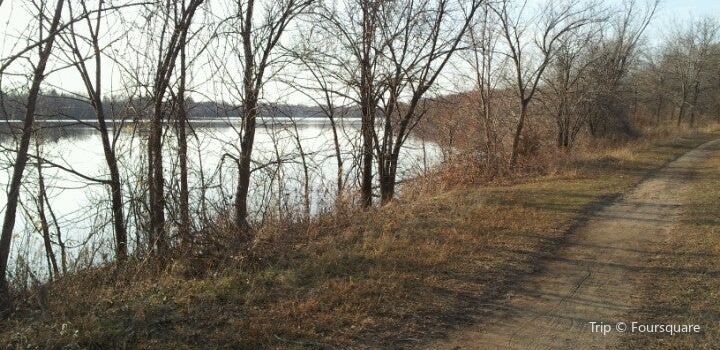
(672, 12)
(14, 17)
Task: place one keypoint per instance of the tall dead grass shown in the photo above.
(385, 277)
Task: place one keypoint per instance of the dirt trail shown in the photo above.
(595, 277)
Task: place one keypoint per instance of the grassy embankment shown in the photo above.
(394, 276)
(687, 290)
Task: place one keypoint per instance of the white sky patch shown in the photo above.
(17, 19)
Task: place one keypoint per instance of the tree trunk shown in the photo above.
(387, 178)
(490, 138)
(111, 160)
(117, 199)
(696, 92)
(95, 95)
(241, 207)
(165, 69)
(22, 157)
(367, 159)
(61, 243)
(45, 227)
(518, 133)
(338, 158)
(250, 103)
(560, 135)
(658, 110)
(367, 105)
(681, 112)
(115, 184)
(182, 152)
(150, 197)
(306, 178)
(157, 180)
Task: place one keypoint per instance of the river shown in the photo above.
(81, 206)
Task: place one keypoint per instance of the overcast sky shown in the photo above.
(14, 17)
(672, 12)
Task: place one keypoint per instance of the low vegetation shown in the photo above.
(541, 115)
(688, 292)
(393, 276)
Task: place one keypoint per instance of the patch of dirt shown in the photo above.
(596, 276)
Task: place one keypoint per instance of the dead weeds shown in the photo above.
(389, 277)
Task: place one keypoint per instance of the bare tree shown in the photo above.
(615, 55)
(44, 226)
(567, 87)
(421, 38)
(653, 83)
(369, 95)
(703, 60)
(356, 25)
(486, 66)
(394, 53)
(22, 152)
(317, 80)
(259, 37)
(165, 66)
(93, 86)
(529, 62)
(181, 127)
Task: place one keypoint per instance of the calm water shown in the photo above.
(82, 206)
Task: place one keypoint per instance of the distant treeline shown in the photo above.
(59, 106)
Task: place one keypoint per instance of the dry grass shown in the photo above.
(689, 293)
(390, 277)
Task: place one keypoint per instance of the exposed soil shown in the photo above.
(597, 275)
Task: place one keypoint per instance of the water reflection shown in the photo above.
(82, 208)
